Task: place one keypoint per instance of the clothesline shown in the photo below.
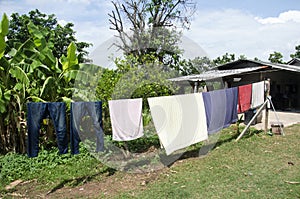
(179, 120)
(182, 120)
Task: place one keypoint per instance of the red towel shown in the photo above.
(244, 99)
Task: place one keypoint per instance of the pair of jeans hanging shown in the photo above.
(86, 125)
(37, 111)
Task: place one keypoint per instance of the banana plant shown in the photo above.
(30, 72)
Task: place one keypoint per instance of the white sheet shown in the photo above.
(126, 119)
(258, 94)
(180, 120)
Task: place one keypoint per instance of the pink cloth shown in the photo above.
(244, 98)
(126, 119)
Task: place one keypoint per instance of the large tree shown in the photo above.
(151, 26)
(61, 36)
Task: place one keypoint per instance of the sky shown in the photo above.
(242, 27)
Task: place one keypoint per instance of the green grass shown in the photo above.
(258, 166)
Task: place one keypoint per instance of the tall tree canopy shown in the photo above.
(151, 26)
(61, 36)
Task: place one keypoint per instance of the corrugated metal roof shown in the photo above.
(294, 61)
(244, 63)
(236, 67)
(214, 74)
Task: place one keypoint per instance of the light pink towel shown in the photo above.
(179, 120)
(126, 119)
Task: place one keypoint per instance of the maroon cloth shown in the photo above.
(244, 98)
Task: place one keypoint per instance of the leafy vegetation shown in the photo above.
(297, 53)
(48, 167)
(30, 72)
(276, 57)
(59, 36)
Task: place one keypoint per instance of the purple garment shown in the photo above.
(231, 106)
(220, 108)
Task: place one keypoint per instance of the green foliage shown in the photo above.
(196, 65)
(106, 84)
(149, 79)
(297, 53)
(224, 59)
(59, 37)
(71, 59)
(276, 57)
(3, 32)
(49, 166)
(135, 77)
(31, 72)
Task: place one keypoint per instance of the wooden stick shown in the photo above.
(253, 118)
(267, 93)
(290, 182)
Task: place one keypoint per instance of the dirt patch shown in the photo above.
(108, 187)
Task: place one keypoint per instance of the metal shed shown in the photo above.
(285, 79)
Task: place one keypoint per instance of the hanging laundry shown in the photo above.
(258, 94)
(244, 98)
(126, 119)
(231, 106)
(36, 112)
(86, 125)
(179, 120)
(221, 108)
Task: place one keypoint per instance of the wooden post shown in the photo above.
(267, 93)
(196, 87)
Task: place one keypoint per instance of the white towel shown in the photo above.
(180, 120)
(258, 94)
(126, 119)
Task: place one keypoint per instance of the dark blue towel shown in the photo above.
(220, 108)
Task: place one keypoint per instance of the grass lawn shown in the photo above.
(258, 166)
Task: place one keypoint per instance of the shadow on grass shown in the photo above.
(203, 149)
(81, 180)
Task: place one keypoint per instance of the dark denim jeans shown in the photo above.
(37, 111)
(86, 125)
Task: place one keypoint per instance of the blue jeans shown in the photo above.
(86, 125)
(37, 111)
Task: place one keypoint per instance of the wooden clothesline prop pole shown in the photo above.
(277, 118)
(267, 94)
(253, 118)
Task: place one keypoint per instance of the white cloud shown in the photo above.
(62, 22)
(215, 31)
(234, 31)
(289, 16)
